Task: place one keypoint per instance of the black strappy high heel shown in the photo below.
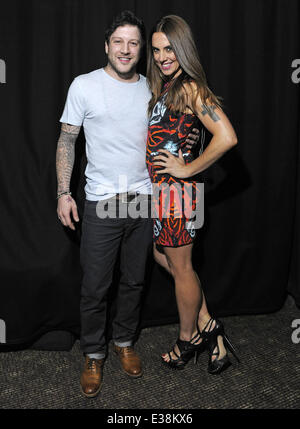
(187, 349)
(210, 337)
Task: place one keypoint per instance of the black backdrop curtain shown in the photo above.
(247, 252)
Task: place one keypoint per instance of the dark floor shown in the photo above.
(267, 378)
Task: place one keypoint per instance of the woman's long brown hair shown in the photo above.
(182, 42)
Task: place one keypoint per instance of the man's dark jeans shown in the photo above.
(100, 243)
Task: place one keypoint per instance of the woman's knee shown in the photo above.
(180, 268)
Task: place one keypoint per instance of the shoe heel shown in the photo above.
(231, 348)
(196, 357)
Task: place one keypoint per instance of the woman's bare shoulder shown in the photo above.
(190, 86)
(193, 93)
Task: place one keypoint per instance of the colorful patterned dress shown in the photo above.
(173, 199)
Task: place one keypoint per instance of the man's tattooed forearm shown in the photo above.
(210, 111)
(70, 129)
(65, 156)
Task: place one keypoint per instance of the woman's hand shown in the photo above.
(173, 165)
(192, 139)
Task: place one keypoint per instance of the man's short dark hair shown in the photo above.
(126, 18)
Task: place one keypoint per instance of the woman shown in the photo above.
(180, 98)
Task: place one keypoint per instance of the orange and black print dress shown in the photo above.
(174, 200)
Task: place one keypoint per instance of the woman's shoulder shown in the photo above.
(191, 86)
(192, 92)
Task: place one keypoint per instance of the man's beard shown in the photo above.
(124, 75)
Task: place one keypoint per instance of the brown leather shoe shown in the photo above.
(91, 377)
(130, 361)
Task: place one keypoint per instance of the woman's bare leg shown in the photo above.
(204, 315)
(187, 289)
(162, 260)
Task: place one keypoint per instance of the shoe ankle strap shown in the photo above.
(182, 345)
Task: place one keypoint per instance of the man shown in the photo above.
(111, 104)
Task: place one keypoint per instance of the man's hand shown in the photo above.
(193, 138)
(65, 206)
(173, 165)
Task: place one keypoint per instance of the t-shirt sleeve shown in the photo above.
(74, 110)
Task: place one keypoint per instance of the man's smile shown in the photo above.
(124, 60)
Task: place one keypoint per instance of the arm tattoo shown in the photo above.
(65, 156)
(210, 111)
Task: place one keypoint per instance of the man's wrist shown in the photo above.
(60, 194)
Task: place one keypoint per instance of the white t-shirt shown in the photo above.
(114, 117)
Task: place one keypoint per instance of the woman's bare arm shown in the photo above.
(224, 138)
